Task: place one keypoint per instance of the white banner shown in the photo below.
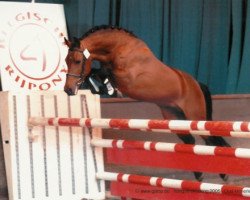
(51, 163)
(32, 49)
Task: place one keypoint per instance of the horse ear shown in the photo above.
(67, 42)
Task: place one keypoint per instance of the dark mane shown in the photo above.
(104, 27)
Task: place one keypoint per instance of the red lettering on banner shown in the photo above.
(17, 78)
(31, 86)
(64, 70)
(28, 14)
(46, 20)
(20, 17)
(2, 41)
(59, 79)
(61, 35)
(2, 45)
(9, 69)
(37, 16)
(23, 83)
(44, 86)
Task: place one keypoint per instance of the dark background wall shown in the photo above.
(210, 39)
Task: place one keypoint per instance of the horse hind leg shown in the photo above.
(172, 113)
(212, 140)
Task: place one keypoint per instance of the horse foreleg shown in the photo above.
(215, 141)
(177, 113)
(172, 113)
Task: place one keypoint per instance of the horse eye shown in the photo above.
(77, 61)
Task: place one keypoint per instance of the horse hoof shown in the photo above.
(224, 177)
(198, 176)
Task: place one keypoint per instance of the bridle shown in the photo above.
(81, 77)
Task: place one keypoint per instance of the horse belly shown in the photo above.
(157, 83)
(167, 90)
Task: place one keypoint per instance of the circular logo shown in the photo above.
(34, 51)
(34, 48)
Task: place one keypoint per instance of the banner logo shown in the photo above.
(34, 52)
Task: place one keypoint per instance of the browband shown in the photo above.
(85, 52)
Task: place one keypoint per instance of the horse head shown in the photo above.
(78, 62)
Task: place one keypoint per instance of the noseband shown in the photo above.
(80, 77)
(86, 54)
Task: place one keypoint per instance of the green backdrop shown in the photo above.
(210, 39)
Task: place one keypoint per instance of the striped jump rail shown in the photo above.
(216, 128)
(175, 184)
(173, 147)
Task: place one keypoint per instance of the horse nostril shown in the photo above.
(69, 91)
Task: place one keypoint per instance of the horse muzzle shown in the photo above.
(70, 91)
(71, 87)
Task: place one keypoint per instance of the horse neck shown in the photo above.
(106, 42)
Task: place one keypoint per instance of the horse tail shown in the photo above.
(208, 100)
